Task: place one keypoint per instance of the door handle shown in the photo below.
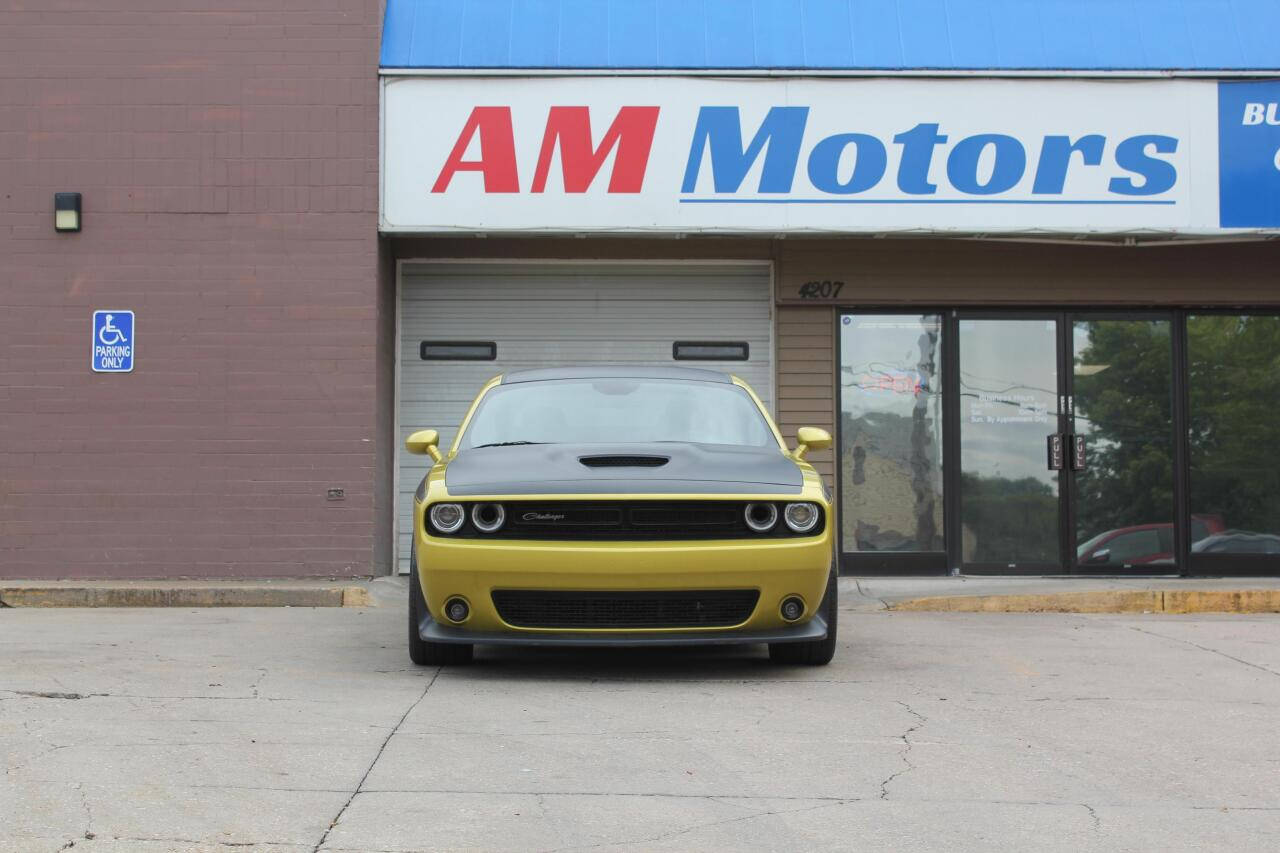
(1059, 445)
(1056, 447)
(1079, 452)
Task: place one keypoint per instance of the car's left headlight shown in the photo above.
(801, 517)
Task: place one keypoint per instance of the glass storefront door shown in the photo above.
(1010, 512)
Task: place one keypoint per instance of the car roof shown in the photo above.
(616, 371)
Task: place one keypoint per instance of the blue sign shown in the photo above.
(1249, 154)
(113, 344)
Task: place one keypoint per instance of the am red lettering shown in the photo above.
(497, 152)
(631, 132)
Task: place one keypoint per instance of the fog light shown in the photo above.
(761, 517)
(447, 518)
(792, 608)
(488, 517)
(456, 610)
(801, 517)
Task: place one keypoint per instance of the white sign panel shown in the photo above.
(672, 154)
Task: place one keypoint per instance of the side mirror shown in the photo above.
(1100, 557)
(424, 443)
(811, 438)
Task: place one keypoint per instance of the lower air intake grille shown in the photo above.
(715, 608)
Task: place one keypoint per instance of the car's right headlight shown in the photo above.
(447, 518)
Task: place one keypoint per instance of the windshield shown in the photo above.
(618, 411)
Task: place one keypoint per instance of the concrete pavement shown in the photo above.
(308, 729)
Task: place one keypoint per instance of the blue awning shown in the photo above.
(889, 35)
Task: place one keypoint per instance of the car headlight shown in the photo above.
(447, 518)
(488, 517)
(801, 518)
(761, 517)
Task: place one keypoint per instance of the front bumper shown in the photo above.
(473, 569)
(433, 632)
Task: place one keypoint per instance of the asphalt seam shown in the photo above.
(376, 758)
(1205, 649)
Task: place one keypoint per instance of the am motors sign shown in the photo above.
(671, 154)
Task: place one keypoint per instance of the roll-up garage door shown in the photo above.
(557, 314)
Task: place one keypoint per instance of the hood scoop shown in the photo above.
(632, 461)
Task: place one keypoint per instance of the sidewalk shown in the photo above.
(239, 592)
(997, 594)
(1060, 594)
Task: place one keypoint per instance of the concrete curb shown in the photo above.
(185, 596)
(1105, 601)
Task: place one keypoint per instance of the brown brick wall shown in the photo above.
(227, 154)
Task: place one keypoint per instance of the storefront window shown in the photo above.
(891, 432)
(1234, 429)
(1123, 371)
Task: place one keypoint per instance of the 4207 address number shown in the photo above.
(825, 289)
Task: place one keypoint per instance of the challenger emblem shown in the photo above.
(542, 516)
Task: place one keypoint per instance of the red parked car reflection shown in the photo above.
(1142, 544)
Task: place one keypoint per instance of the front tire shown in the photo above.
(422, 652)
(813, 652)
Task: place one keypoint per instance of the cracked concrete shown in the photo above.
(306, 729)
(905, 754)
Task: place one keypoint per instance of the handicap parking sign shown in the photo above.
(113, 344)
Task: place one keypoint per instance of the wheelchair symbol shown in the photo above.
(109, 335)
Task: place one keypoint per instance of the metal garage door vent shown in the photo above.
(624, 461)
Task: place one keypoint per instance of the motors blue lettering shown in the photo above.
(1138, 165)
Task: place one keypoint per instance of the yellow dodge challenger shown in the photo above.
(620, 506)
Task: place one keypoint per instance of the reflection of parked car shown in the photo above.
(1238, 542)
(1142, 544)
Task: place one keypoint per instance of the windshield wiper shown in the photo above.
(506, 444)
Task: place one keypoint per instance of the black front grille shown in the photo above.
(713, 608)
(637, 520)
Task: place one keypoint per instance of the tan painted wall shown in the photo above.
(806, 376)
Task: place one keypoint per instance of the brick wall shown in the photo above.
(227, 153)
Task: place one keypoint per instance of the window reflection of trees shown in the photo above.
(1234, 426)
(1124, 405)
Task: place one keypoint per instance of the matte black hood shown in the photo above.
(558, 469)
